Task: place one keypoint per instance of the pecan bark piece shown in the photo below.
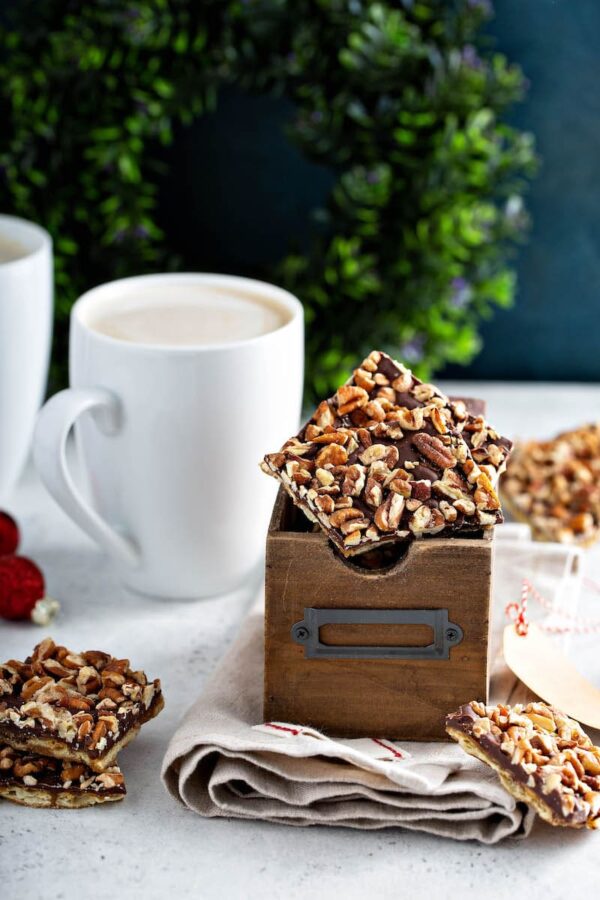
(542, 757)
(80, 716)
(396, 438)
(554, 486)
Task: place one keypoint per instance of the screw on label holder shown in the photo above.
(446, 634)
(300, 633)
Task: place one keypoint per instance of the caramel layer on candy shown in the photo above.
(81, 707)
(543, 758)
(40, 781)
(389, 458)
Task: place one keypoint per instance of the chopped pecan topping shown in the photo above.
(350, 397)
(332, 454)
(324, 415)
(354, 480)
(421, 490)
(403, 381)
(373, 453)
(433, 450)
(373, 493)
(344, 515)
(387, 516)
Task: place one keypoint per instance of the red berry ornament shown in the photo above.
(22, 591)
(9, 534)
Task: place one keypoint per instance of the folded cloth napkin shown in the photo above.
(220, 764)
(225, 761)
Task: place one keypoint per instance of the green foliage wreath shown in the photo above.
(403, 101)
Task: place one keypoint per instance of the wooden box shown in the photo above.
(386, 652)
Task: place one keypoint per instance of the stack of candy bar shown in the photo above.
(554, 486)
(64, 717)
(389, 458)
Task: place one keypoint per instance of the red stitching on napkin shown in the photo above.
(282, 728)
(397, 753)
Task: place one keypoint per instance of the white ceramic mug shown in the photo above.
(170, 438)
(25, 340)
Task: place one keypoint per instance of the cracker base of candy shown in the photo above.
(59, 798)
(57, 749)
(514, 787)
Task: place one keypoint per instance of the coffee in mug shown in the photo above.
(11, 249)
(189, 315)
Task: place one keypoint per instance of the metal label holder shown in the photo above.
(446, 634)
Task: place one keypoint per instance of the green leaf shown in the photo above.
(163, 88)
(129, 168)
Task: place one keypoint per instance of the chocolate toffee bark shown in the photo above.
(383, 460)
(542, 757)
(554, 486)
(40, 781)
(81, 707)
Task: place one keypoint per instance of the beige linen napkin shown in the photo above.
(224, 761)
(219, 765)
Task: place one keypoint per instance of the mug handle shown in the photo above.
(54, 424)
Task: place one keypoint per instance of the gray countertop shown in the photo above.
(150, 846)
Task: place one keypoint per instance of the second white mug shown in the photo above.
(25, 338)
(171, 434)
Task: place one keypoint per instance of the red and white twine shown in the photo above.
(517, 612)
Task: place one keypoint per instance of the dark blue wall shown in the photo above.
(553, 332)
(239, 194)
